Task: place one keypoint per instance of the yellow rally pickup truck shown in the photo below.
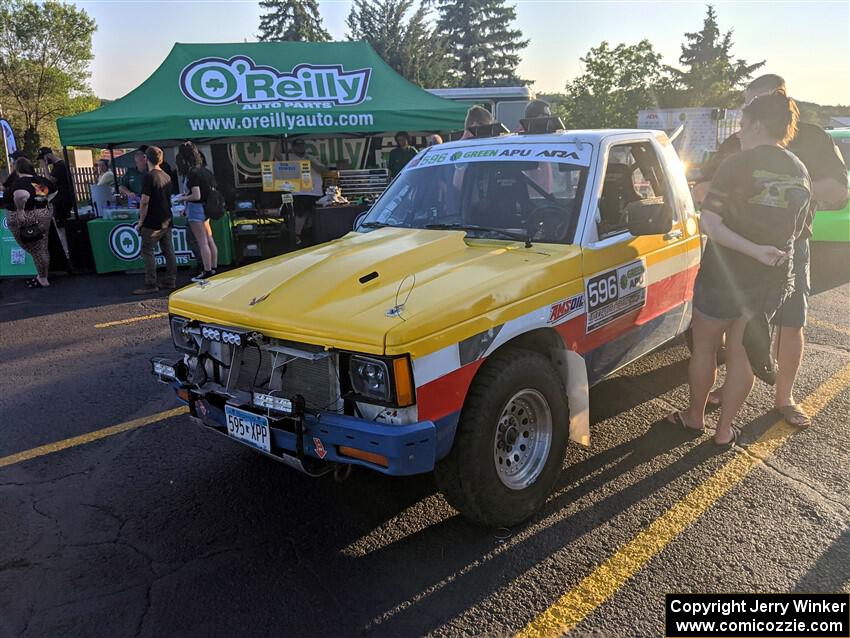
(459, 328)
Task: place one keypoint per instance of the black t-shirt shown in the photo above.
(7, 183)
(812, 145)
(38, 188)
(64, 200)
(168, 170)
(157, 186)
(762, 194)
(203, 179)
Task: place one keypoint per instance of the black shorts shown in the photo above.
(792, 313)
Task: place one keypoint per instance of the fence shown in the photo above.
(83, 178)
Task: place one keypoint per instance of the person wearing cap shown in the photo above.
(63, 203)
(401, 154)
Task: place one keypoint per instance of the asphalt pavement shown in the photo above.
(167, 530)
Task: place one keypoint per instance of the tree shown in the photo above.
(711, 76)
(410, 46)
(291, 20)
(615, 85)
(483, 47)
(45, 51)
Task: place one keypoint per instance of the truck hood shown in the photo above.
(372, 292)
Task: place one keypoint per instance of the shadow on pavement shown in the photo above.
(830, 572)
(487, 576)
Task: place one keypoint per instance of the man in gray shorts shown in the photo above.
(826, 169)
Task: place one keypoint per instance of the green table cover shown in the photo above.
(14, 260)
(116, 246)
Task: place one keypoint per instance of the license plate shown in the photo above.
(249, 428)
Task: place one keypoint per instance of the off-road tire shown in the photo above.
(467, 477)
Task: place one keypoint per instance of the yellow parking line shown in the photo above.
(606, 579)
(830, 326)
(64, 444)
(123, 322)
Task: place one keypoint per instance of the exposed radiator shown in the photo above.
(312, 379)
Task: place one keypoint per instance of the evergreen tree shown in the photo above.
(711, 76)
(291, 20)
(409, 46)
(483, 47)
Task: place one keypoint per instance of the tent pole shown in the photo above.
(112, 167)
(71, 182)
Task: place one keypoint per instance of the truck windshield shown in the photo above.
(538, 200)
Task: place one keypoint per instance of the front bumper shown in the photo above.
(408, 449)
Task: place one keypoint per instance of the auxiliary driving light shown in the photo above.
(269, 402)
(164, 371)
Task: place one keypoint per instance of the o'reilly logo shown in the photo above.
(239, 80)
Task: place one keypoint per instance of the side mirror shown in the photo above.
(359, 219)
(649, 217)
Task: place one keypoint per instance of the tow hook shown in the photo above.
(342, 473)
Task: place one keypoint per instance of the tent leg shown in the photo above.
(71, 180)
(112, 168)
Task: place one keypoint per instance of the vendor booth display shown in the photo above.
(14, 260)
(116, 246)
(246, 102)
(249, 89)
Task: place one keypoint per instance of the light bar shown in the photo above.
(223, 336)
(269, 402)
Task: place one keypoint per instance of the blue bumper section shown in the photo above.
(409, 449)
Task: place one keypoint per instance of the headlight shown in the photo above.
(370, 378)
(180, 335)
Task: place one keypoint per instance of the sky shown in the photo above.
(807, 42)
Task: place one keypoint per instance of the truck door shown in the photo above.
(635, 287)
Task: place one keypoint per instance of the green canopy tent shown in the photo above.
(210, 92)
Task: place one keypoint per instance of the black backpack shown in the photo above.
(214, 206)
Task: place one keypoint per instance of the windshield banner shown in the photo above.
(567, 153)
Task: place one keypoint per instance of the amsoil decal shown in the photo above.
(126, 244)
(566, 309)
(613, 293)
(567, 153)
(216, 81)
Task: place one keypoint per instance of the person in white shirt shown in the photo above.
(105, 177)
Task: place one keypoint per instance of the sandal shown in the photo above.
(736, 432)
(676, 419)
(34, 283)
(794, 415)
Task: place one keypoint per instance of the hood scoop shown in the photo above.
(365, 279)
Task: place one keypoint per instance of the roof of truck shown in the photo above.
(592, 136)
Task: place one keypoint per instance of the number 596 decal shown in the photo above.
(613, 293)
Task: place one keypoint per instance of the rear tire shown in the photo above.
(511, 440)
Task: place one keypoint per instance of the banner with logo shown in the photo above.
(265, 89)
(9, 143)
(14, 260)
(566, 153)
(246, 157)
(116, 246)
